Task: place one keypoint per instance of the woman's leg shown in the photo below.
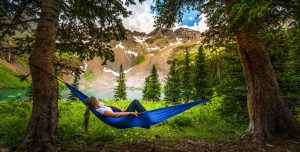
(135, 105)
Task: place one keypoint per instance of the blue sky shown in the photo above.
(142, 19)
(189, 18)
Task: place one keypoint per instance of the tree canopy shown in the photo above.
(85, 27)
(226, 17)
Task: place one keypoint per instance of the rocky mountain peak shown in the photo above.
(137, 54)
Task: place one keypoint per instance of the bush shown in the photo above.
(139, 59)
(89, 75)
(182, 122)
(14, 116)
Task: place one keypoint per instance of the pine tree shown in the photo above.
(152, 86)
(232, 86)
(187, 77)
(172, 87)
(75, 84)
(200, 76)
(283, 48)
(120, 91)
(146, 88)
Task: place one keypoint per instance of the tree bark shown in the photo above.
(42, 125)
(268, 115)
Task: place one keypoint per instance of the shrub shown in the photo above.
(139, 59)
(89, 75)
(182, 122)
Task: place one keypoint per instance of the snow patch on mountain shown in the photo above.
(120, 46)
(131, 53)
(178, 41)
(123, 48)
(116, 73)
(153, 48)
(140, 39)
(111, 71)
(84, 68)
(126, 71)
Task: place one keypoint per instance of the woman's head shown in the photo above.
(91, 103)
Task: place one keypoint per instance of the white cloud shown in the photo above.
(141, 20)
(191, 18)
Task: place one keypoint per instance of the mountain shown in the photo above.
(137, 54)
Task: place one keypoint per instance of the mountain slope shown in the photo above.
(156, 47)
(8, 75)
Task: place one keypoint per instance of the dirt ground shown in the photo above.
(186, 145)
(192, 145)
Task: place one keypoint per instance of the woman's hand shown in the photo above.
(135, 113)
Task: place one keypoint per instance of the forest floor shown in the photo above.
(184, 145)
(191, 145)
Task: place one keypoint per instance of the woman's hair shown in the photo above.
(89, 104)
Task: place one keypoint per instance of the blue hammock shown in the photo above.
(145, 119)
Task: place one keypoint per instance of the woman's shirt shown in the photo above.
(103, 108)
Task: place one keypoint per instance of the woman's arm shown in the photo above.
(114, 107)
(119, 114)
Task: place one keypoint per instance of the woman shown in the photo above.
(134, 108)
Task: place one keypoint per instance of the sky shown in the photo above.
(142, 19)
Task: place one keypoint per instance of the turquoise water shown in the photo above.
(107, 93)
(7, 94)
(11, 94)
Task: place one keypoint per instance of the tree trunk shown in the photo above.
(42, 126)
(268, 114)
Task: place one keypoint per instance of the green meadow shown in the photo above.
(200, 122)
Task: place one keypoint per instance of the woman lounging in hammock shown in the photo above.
(134, 108)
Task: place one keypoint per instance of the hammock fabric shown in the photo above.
(144, 120)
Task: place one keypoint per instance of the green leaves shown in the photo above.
(170, 12)
(85, 27)
(232, 86)
(283, 47)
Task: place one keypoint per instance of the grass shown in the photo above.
(8, 79)
(201, 122)
(14, 118)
